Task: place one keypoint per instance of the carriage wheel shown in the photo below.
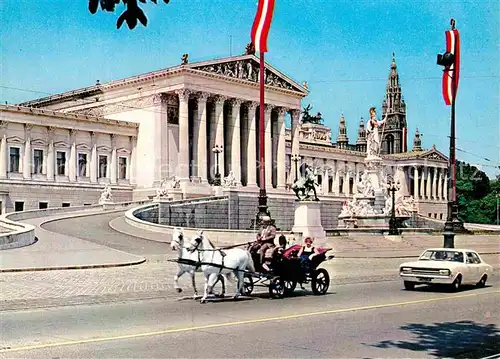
(320, 281)
(247, 285)
(289, 286)
(276, 288)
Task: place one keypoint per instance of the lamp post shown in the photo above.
(451, 62)
(393, 229)
(217, 150)
(296, 159)
(498, 209)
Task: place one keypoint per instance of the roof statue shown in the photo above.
(307, 118)
(184, 59)
(250, 49)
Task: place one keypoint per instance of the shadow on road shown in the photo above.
(463, 339)
(444, 288)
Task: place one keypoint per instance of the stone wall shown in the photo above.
(31, 194)
(236, 210)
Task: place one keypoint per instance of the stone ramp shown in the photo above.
(57, 251)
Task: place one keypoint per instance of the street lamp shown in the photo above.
(450, 60)
(217, 150)
(498, 209)
(393, 228)
(296, 159)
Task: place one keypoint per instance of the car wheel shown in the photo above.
(457, 283)
(409, 285)
(482, 281)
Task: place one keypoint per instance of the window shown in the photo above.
(37, 161)
(61, 163)
(14, 159)
(429, 215)
(18, 206)
(440, 216)
(43, 205)
(476, 258)
(103, 166)
(82, 164)
(122, 167)
(65, 204)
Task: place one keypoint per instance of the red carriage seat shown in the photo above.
(294, 250)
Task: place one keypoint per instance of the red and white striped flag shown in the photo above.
(262, 24)
(452, 46)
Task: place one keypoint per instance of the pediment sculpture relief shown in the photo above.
(249, 70)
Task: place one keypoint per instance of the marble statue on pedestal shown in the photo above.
(166, 185)
(106, 195)
(372, 134)
(230, 180)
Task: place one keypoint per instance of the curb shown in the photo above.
(85, 266)
(140, 260)
(113, 227)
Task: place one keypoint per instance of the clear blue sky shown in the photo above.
(343, 49)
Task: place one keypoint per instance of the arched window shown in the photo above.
(389, 141)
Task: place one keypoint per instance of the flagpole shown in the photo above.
(262, 148)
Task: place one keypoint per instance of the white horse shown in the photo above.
(220, 262)
(177, 244)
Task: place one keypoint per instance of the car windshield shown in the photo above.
(442, 255)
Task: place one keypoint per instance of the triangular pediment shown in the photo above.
(83, 147)
(61, 144)
(246, 68)
(15, 139)
(39, 142)
(434, 154)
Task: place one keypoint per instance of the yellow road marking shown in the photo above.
(242, 322)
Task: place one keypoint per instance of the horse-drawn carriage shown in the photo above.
(287, 271)
(217, 264)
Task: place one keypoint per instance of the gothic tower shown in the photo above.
(342, 139)
(395, 132)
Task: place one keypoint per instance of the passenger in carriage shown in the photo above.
(273, 253)
(306, 252)
(265, 238)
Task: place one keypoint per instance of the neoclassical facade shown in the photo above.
(134, 133)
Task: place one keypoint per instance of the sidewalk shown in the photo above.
(57, 251)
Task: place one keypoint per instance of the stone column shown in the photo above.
(113, 164)
(295, 114)
(356, 180)
(324, 183)
(183, 164)
(428, 184)
(415, 183)
(434, 183)
(201, 136)
(281, 155)
(252, 145)
(269, 146)
(132, 172)
(440, 184)
(345, 187)
(50, 154)
(422, 184)
(72, 156)
(217, 134)
(336, 181)
(234, 130)
(27, 152)
(93, 158)
(3, 149)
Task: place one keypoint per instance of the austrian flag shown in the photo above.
(452, 46)
(262, 24)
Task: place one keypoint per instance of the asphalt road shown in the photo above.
(96, 229)
(351, 321)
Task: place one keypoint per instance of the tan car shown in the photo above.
(449, 266)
